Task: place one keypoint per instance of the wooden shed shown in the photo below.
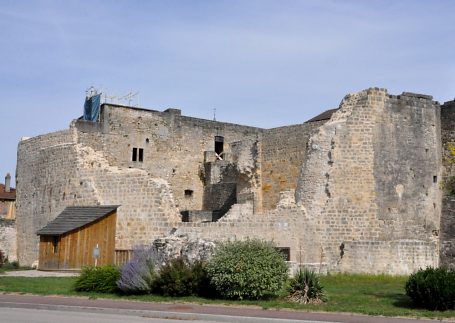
(71, 239)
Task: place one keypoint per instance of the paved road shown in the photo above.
(79, 309)
(21, 315)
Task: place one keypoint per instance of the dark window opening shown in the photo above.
(185, 216)
(188, 193)
(285, 251)
(147, 140)
(435, 179)
(138, 154)
(55, 245)
(219, 142)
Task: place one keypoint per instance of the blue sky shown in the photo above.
(262, 63)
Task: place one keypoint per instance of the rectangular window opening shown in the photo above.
(435, 179)
(219, 143)
(55, 245)
(285, 251)
(141, 154)
(188, 193)
(134, 157)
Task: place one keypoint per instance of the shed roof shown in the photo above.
(11, 195)
(75, 217)
(326, 115)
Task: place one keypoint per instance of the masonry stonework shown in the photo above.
(448, 185)
(359, 189)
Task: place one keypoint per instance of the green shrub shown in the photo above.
(3, 259)
(251, 269)
(432, 288)
(98, 279)
(14, 265)
(305, 288)
(174, 279)
(201, 281)
(177, 278)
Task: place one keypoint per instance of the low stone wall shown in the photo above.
(399, 257)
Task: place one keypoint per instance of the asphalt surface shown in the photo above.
(21, 315)
(180, 311)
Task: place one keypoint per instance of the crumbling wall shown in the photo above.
(357, 184)
(283, 153)
(357, 166)
(367, 182)
(46, 167)
(407, 168)
(54, 172)
(246, 155)
(173, 145)
(447, 234)
(285, 229)
(147, 210)
(337, 183)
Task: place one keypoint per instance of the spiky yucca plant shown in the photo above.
(305, 288)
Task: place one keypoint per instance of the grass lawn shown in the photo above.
(366, 294)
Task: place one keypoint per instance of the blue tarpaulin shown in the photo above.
(92, 108)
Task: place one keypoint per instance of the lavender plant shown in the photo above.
(138, 275)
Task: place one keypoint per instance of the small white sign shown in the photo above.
(96, 252)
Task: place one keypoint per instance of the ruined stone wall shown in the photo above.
(366, 198)
(45, 168)
(447, 235)
(389, 257)
(246, 155)
(174, 146)
(368, 179)
(285, 228)
(283, 153)
(407, 168)
(367, 182)
(54, 171)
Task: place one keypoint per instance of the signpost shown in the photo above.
(96, 254)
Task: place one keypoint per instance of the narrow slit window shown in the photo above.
(55, 245)
(141, 154)
(134, 157)
(435, 179)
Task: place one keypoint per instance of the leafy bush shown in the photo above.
(250, 269)
(14, 265)
(177, 278)
(305, 288)
(432, 288)
(201, 281)
(138, 275)
(2, 258)
(98, 279)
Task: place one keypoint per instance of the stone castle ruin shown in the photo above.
(363, 188)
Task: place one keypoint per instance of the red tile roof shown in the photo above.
(11, 195)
